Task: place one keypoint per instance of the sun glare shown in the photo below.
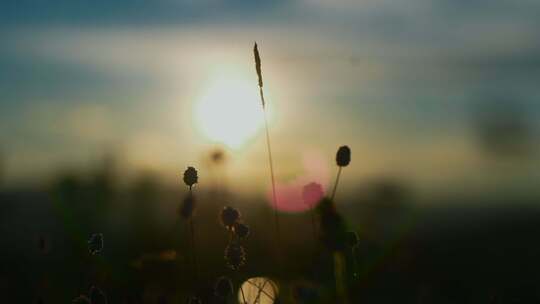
(229, 110)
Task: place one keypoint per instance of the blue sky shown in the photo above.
(79, 79)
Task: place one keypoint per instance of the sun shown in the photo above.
(229, 110)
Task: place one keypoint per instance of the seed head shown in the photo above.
(190, 176)
(229, 216)
(223, 287)
(258, 64)
(188, 206)
(343, 156)
(95, 243)
(235, 256)
(97, 296)
(312, 194)
(241, 230)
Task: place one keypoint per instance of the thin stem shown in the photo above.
(272, 178)
(336, 184)
(263, 102)
(191, 227)
(193, 247)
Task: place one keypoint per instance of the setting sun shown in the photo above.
(229, 110)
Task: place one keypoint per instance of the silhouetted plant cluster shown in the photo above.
(328, 226)
(235, 254)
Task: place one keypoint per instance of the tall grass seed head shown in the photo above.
(343, 156)
(229, 216)
(223, 287)
(190, 176)
(258, 64)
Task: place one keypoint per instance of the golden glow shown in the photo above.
(229, 110)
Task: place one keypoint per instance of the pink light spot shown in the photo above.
(290, 196)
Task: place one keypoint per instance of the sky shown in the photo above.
(443, 93)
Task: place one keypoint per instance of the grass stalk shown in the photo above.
(193, 244)
(269, 147)
(336, 184)
(193, 247)
(273, 181)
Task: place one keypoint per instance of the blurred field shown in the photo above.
(452, 250)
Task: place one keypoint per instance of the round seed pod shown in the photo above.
(190, 176)
(97, 296)
(235, 256)
(229, 216)
(343, 156)
(188, 206)
(95, 243)
(223, 287)
(241, 230)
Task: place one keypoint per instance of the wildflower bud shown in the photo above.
(97, 296)
(241, 230)
(229, 216)
(223, 287)
(95, 243)
(190, 176)
(312, 194)
(194, 300)
(81, 300)
(343, 156)
(351, 239)
(235, 256)
(188, 206)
